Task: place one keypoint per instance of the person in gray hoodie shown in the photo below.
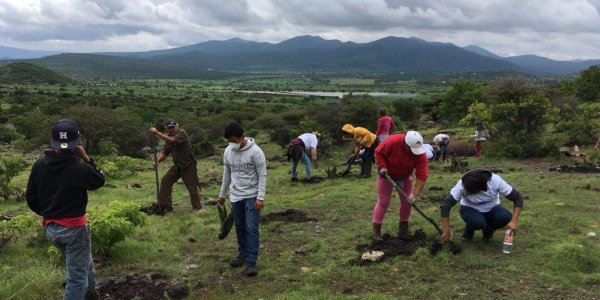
(245, 177)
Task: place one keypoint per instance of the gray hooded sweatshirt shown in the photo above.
(245, 172)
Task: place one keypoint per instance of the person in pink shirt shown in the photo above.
(384, 126)
(398, 157)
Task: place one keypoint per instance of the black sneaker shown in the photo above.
(237, 262)
(467, 236)
(294, 179)
(250, 271)
(487, 235)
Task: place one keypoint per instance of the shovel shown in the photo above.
(349, 165)
(154, 150)
(401, 191)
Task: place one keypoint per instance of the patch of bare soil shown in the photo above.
(155, 209)
(576, 169)
(288, 215)
(538, 165)
(589, 187)
(406, 246)
(145, 287)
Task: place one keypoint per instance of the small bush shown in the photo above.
(121, 167)
(114, 225)
(10, 166)
(14, 227)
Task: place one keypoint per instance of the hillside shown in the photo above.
(7, 53)
(313, 54)
(21, 72)
(537, 64)
(92, 66)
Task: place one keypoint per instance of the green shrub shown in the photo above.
(121, 167)
(10, 166)
(7, 135)
(14, 227)
(114, 225)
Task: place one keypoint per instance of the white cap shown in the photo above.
(415, 141)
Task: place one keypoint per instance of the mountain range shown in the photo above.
(302, 54)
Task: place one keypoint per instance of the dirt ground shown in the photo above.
(145, 287)
(406, 246)
(288, 215)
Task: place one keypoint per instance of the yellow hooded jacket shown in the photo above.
(362, 136)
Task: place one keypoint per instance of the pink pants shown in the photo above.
(384, 194)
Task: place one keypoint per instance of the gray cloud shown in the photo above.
(560, 29)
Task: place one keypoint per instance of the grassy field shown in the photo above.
(553, 258)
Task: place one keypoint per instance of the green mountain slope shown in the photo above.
(22, 72)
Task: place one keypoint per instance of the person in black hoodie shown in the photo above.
(57, 191)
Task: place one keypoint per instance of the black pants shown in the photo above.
(368, 159)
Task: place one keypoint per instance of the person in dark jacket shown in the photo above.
(57, 191)
(479, 194)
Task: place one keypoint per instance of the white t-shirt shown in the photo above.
(310, 140)
(440, 138)
(482, 201)
(429, 151)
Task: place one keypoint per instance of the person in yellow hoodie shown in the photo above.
(363, 139)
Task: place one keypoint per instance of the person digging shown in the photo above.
(363, 139)
(398, 157)
(177, 144)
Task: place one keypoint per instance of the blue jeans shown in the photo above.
(246, 220)
(489, 222)
(76, 247)
(306, 161)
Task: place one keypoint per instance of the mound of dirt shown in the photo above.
(288, 215)
(146, 287)
(155, 209)
(406, 246)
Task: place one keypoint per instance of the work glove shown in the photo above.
(383, 172)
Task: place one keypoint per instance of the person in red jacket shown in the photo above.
(399, 156)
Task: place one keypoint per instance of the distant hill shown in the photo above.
(93, 66)
(21, 72)
(314, 54)
(7, 53)
(302, 54)
(539, 65)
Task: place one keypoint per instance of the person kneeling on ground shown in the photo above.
(298, 149)
(363, 139)
(478, 192)
(245, 177)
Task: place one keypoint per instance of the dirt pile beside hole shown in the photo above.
(154, 209)
(145, 287)
(406, 246)
(288, 215)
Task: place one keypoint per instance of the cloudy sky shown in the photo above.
(558, 29)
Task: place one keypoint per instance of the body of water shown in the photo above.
(332, 94)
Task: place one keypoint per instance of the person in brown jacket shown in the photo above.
(177, 144)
